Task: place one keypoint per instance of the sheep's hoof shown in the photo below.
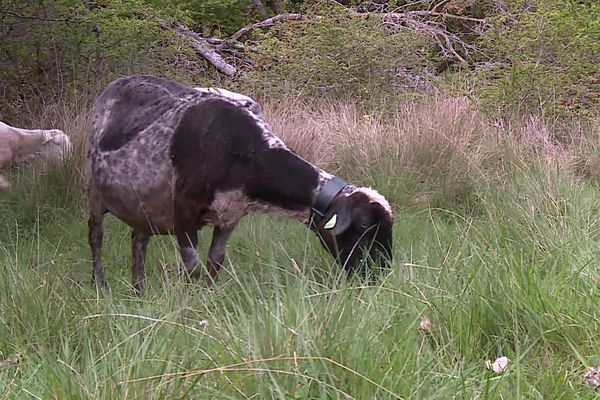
(100, 284)
(211, 281)
(192, 275)
(139, 289)
(103, 286)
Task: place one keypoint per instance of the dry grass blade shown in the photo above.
(238, 367)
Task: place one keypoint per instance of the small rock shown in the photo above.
(498, 366)
(426, 325)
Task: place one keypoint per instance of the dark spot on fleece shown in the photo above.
(140, 101)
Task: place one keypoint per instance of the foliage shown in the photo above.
(72, 48)
(535, 57)
(336, 56)
(209, 17)
(543, 60)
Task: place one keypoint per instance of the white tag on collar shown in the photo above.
(331, 223)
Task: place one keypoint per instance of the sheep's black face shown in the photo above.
(358, 232)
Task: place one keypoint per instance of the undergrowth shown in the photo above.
(495, 240)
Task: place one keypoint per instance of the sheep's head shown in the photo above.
(357, 230)
(56, 145)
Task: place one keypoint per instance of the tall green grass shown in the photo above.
(508, 268)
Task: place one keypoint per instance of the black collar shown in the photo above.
(326, 196)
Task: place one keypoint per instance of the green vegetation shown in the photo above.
(547, 61)
(334, 57)
(521, 57)
(497, 249)
(492, 166)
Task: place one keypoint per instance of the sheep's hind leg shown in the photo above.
(139, 245)
(216, 253)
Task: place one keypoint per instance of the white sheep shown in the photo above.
(18, 145)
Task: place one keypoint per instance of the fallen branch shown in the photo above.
(222, 44)
(202, 47)
(429, 14)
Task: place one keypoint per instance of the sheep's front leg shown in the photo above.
(216, 253)
(139, 245)
(186, 231)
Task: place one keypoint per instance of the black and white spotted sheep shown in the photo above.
(169, 159)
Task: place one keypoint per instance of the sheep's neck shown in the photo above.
(285, 180)
(26, 146)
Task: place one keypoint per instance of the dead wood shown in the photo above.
(430, 23)
(203, 47)
(265, 24)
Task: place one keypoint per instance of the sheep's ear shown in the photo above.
(339, 218)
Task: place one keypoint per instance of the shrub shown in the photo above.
(543, 59)
(336, 56)
(72, 49)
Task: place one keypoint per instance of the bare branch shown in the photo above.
(266, 23)
(447, 41)
(222, 44)
(405, 14)
(438, 5)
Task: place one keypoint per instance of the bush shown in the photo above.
(337, 56)
(543, 59)
(71, 49)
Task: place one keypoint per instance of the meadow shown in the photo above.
(495, 244)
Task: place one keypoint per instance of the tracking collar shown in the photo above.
(326, 196)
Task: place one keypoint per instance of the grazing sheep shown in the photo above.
(168, 159)
(18, 145)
